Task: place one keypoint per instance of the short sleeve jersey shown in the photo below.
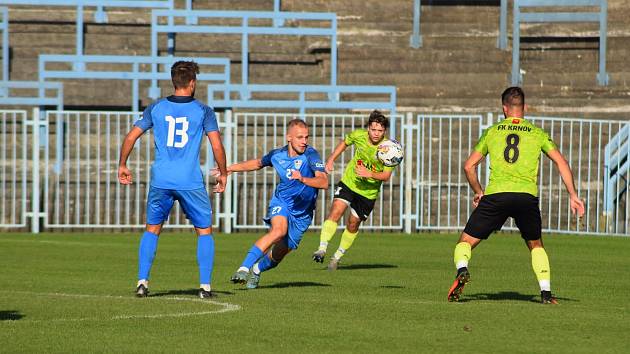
(364, 154)
(179, 124)
(299, 198)
(514, 146)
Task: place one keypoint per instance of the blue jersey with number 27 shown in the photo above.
(298, 197)
(179, 124)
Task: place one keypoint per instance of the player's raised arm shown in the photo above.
(577, 204)
(339, 149)
(124, 174)
(246, 166)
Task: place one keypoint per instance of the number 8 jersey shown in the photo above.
(179, 124)
(514, 146)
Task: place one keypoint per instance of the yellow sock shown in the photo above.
(540, 264)
(328, 231)
(462, 254)
(347, 238)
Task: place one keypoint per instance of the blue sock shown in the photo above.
(205, 257)
(146, 254)
(252, 257)
(266, 263)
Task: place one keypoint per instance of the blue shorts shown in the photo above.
(195, 203)
(297, 224)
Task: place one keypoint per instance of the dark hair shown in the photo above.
(296, 121)
(377, 117)
(513, 96)
(182, 72)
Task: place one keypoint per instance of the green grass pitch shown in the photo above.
(73, 293)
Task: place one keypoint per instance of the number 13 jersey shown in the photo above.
(514, 146)
(179, 124)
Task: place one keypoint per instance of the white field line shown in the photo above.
(65, 243)
(225, 306)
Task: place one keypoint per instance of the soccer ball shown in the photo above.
(390, 153)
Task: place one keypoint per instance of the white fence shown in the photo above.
(76, 154)
(440, 144)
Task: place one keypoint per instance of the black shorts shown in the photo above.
(360, 206)
(494, 209)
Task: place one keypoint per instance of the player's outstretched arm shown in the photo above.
(124, 174)
(245, 166)
(339, 149)
(470, 169)
(219, 156)
(577, 204)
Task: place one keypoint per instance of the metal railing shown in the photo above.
(305, 97)
(83, 190)
(75, 184)
(13, 168)
(258, 133)
(415, 41)
(266, 23)
(441, 143)
(99, 15)
(10, 97)
(133, 68)
(4, 27)
(616, 166)
(601, 17)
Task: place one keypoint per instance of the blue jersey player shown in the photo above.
(179, 123)
(290, 213)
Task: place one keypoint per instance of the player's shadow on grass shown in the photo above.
(365, 266)
(193, 292)
(296, 284)
(506, 295)
(10, 315)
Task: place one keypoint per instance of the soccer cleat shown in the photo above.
(203, 294)
(334, 263)
(142, 291)
(240, 277)
(462, 278)
(318, 256)
(547, 298)
(252, 282)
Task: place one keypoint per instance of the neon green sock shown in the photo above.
(540, 264)
(347, 238)
(328, 232)
(462, 254)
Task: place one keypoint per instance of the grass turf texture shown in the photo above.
(389, 295)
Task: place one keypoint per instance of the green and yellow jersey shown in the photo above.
(514, 145)
(365, 154)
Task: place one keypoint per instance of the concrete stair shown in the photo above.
(458, 67)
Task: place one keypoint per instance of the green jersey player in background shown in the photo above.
(358, 188)
(514, 146)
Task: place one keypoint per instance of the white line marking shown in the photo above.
(226, 307)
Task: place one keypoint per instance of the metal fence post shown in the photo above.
(602, 76)
(35, 197)
(228, 197)
(407, 130)
(502, 40)
(415, 41)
